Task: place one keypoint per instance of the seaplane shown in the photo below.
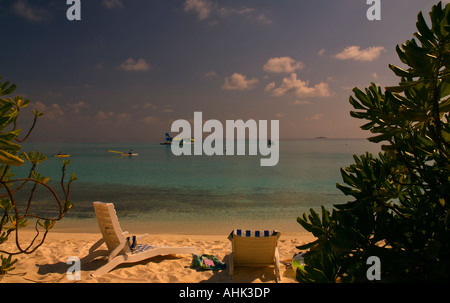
(170, 140)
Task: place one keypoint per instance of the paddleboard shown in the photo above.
(122, 153)
(62, 156)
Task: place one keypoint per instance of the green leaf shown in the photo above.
(403, 87)
(444, 106)
(6, 264)
(445, 89)
(9, 159)
(47, 225)
(380, 138)
(368, 125)
(5, 108)
(325, 217)
(425, 140)
(9, 136)
(348, 179)
(5, 90)
(308, 245)
(347, 190)
(7, 145)
(424, 30)
(355, 103)
(445, 135)
(362, 97)
(73, 178)
(399, 71)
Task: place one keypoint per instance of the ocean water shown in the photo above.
(160, 192)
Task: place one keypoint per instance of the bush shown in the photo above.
(18, 212)
(401, 199)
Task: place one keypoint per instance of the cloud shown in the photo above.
(210, 74)
(300, 102)
(76, 107)
(356, 53)
(282, 65)
(206, 9)
(122, 118)
(149, 106)
(226, 11)
(299, 88)
(239, 82)
(150, 120)
(104, 116)
(201, 7)
(110, 117)
(112, 3)
(31, 13)
(261, 19)
(56, 111)
(316, 117)
(51, 112)
(247, 12)
(131, 65)
(270, 86)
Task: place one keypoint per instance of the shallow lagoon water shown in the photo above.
(207, 194)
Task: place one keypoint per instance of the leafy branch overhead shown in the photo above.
(400, 207)
(13, 219)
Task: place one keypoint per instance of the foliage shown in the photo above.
(400, 210)
(17, 213)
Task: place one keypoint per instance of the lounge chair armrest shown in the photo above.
(140, 237)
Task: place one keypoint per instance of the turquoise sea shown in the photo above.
(157, 191)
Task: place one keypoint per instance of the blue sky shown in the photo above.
(129, 68)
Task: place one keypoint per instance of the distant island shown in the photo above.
(320, 137)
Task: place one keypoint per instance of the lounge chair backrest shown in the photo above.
(254, 247)
(109, 225)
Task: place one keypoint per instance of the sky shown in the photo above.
(129, 68)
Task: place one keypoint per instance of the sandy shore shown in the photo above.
(48, 263)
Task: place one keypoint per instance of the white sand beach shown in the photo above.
(49, 263)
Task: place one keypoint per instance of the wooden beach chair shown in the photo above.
(123, 247)
(254, 248)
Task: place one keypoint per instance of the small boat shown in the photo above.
(129, 154)
(168, 138)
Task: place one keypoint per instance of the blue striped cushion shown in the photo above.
(255, 233)
(141, 248)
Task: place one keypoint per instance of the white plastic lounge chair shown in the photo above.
(254, 248)
(123, 247)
